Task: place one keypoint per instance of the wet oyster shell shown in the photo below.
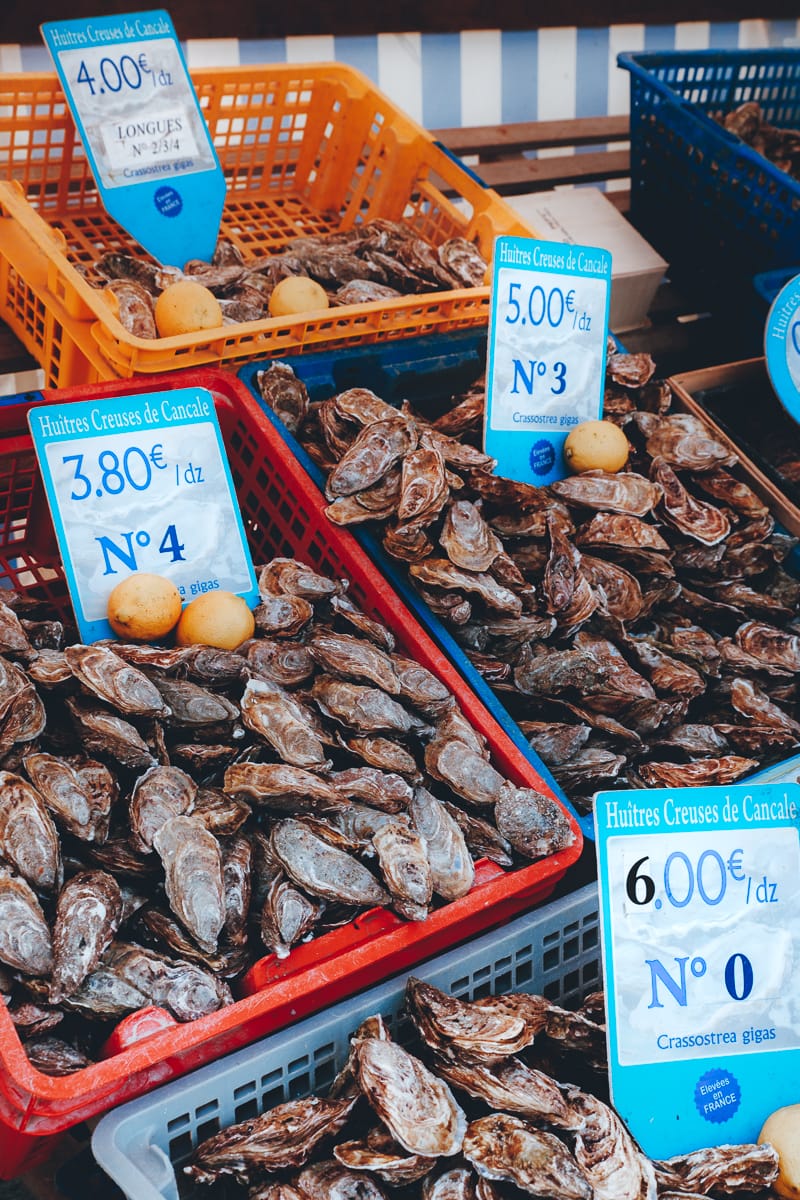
(483, 840)
(348, 611)
(282, 616)
(405, 868)
(158, 795)
(285, 394)
(188, 991)
(88, 915)
(284, 663)
(195, 707)
(703, 522)
(25, 943)
(377, 447)
(687, 444)
(451, 867)
(349, 657)
(700, 773)
(286, 918)
(621, 531)
(273, 713)
(55, 1057)
(332, 1181)
(417, 1108)
(440, 572)
(114, 681)
(80, 795)
(237, 858)
(769, 645)
(282, 787)
(102, 732)
(456, 1184)
(725, 1169)
(625, 492)
(464, 260)
(505, 1147)
(384, 754)
(424, 489)
(29, 840)
(466, 772)
(379, 789)
(621, 590)
(193, 877)
(484, 1032)
(222, 815)
(607, 1154)
(382, 1156)
(510, 1086)
(280, 1139)
(319, 868)
(533, 823)
(360, 708)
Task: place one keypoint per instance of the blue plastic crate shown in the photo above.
(552, 951)
(415, 371)
(698, 192)
(769, 283)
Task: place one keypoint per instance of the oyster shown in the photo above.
(505, 1147)
(483, 840)
(533, 823)
(221, 814)
(464, 260)
(379, 1154)
(117, 683)
(158, 795)
(290, 577)
(417, 1108)
(274, 714)
(451, 868)
(465, 771)
(607, 1154)
(630, 370)
(511, 1086)
(625, 492)
(466, 538)
(440, 572)
(88, 914)
(286, 918)
(769, 645)
(282, 616)
(694, 518)
(80, 795)
(362, 709)
(282, 1138)
(134, 307)
(237, 858)
(405, 868)
(377, 447)
(285, 394)
(620, 531)
(29, 841)
(282, 787)
(52, 1056)
(720, 485)
(350, 657)
(384, 754)
(456, 1184)
(284, 663)
(332, 1181)
(188, 991)
(25, 943)
(726, 1169)
(687, 444)
(420, 688)
(194, 707)
(379, 789)
(424, 488)
(194, 882)
(321, 869)
(700, 773)
(483, 1032)
(102, 732)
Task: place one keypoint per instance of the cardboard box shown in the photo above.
(585, 216)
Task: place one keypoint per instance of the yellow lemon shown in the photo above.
(596, 446)
(144, 607)
(297, 294)
(186, 307)
(217, 618)
(782, 1130)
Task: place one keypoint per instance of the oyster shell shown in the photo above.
(607, 1154)
(533, 823)
(625, 492)
(440, 572)
(102, 732)
(379, 789)
(285, 394)
(321, 869)
(466, 538)
(188, 991)
(88, 915)
(362, 709)
(511, 1086)
(284, 663)
(286, 918)
(80, 795)
(377, 447)
(25, 943)
(483, 840)
(456, 1184)
(282, 787)
(332, 1181)
(504, 1147)
(194, 882)
(703, 522)
(726, 1169)
(280, 1139)
(282, 616)
(29, 841)
(417, 1108)
(52, 1056)
(274, 714)
(405, 868)
(451, 866)
(687, 444)
(237, 859)
(354, 658)
(114, 681)
(700, 773)
(158, 795)
(424, 489)
(483, 1032)
(380, 1155)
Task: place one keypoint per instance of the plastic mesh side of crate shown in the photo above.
(554, 950)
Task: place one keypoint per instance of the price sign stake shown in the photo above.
(782, 346)
(148, 146)
(141, 483)
(547, 350)
(700, 919)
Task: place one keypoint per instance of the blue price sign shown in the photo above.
(782, 346)
(700, 896)
(148, 145)
(141, 484)
(547, 348)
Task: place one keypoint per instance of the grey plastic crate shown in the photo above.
(552, 951)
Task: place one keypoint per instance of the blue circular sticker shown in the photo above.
(782, 346)
(542, 457)
(717, 1095)
(168, 201)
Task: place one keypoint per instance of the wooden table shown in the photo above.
(585, 150)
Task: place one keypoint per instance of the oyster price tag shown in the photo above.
(147, 143)
(700, 918)
(547, 350)
(782, 346)
(141, 483)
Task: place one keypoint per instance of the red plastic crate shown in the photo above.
(283, 513)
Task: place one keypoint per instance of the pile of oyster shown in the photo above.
(780, 146)
(640, 627)
(379, 260)
(167, 813)
(401, 1125)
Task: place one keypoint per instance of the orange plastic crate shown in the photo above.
(283, 514)
(305, 150)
